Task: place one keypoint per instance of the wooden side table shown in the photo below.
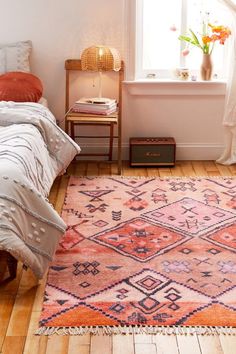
(73, 119)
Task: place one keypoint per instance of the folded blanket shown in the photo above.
(33, 151)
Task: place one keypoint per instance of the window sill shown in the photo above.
(167, 87)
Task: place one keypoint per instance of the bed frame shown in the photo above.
(7, 261)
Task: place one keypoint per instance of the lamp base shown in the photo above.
(99, 100)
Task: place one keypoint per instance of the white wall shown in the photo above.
(61, 29)
(193, 120)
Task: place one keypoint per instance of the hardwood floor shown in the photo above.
(21, 299)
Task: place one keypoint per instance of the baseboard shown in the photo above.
(196, 151)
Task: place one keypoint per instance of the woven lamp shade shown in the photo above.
(100, 58)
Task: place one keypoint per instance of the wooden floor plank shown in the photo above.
(139, 172)
(228, 344)
(188, 169)
(35, 344)
(20, 316)
(164, 172)
(199, 168)
(72, 166)
(101, 344)
(223, 170)
(145, 348)
(210, 166)
(153, 172)
(57, 344)
(142, 338)
(166, 344)
(78, 349)
(80, 168)
(210, 344)
(104, 169)
(213, 173)
(123, 344)
(13, 345)
(6, 307)
(177, 170)
(92, 169)
(114, 170)
(79, 343)
(127, 170)
(61, 193)
(38, 300)
(188, 344)
(232, 169)
(54, 191)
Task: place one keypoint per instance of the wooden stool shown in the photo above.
(74, 119)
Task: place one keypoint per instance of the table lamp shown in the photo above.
(100, 58)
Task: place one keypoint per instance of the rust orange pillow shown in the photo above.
(20, 87)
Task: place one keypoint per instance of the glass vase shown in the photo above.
(206, 67)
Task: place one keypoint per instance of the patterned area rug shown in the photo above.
(144, 253)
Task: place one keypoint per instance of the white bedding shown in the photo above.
(43, 101)
(33, 151)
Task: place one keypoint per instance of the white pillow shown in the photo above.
(15, 56)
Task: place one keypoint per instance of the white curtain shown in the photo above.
(229, 121)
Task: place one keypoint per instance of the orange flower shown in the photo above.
(227, 31)
(219, 29)
(222, 40)
(206, 42)
(216, 29)
(219, 33)
(214, 37)
(206, 39)
(222, 30)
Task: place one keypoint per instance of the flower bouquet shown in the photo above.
(211, 34)
(206, 42)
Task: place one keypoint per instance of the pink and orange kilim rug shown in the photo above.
(144, 253)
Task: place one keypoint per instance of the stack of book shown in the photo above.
(86, 105)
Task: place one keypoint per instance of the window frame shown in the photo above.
(134, 47)
(141, 73)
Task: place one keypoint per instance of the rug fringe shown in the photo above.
(164, 330)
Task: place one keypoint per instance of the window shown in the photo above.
(158, 50)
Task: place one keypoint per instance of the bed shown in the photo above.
(33, 151)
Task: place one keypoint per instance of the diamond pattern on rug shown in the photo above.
(145, 251)
(191, 216)
(140, 239)
(225, 238)
(149, 282)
